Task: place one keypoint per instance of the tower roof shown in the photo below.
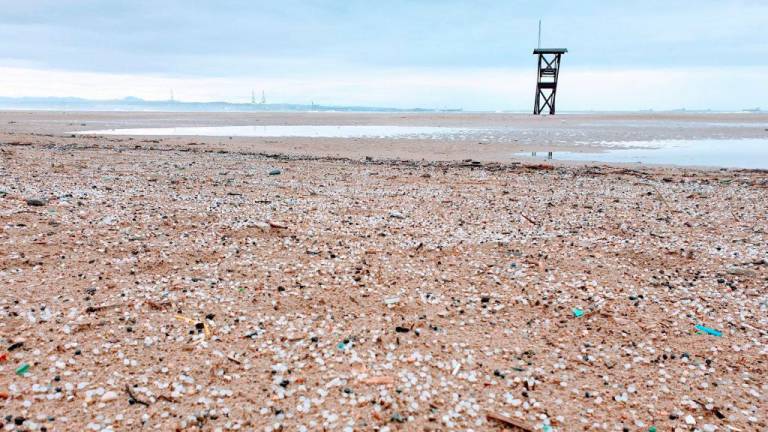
(550, 50)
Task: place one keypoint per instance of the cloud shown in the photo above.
(391, 52)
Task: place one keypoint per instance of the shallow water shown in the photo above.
(320, 131)
(730, 153)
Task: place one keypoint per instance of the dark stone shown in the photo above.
(402, 329)
(16, 345)
(36, 202)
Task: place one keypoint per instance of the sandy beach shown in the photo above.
(178, 283)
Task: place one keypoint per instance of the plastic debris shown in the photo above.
(708, 330)
(391, 301)
(275, 172)
(21, 370)
(577, 312)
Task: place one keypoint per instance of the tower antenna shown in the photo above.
(539, 34)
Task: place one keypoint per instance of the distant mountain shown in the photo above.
(131, 103)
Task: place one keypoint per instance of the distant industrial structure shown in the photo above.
(548, 72)
(263, 98)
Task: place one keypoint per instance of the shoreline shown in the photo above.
(521, 133)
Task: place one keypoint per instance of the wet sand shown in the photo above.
(580, 133)
(151, 283)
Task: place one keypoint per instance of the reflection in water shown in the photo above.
(549, 155)
(740, 153)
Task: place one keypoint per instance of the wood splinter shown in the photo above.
(508, 421)
(133, 398)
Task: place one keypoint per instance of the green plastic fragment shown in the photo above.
(709, 331)
(577, 312)
(652, 429)
(21, 370)
(341, 345)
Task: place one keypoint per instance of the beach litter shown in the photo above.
(708, 330)
(21, 370)
(391, 301)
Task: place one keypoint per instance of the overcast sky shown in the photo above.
(404, 53)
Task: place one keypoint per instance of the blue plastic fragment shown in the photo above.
(577, 312)
(709, 331)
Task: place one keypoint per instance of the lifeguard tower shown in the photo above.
(546, 85)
